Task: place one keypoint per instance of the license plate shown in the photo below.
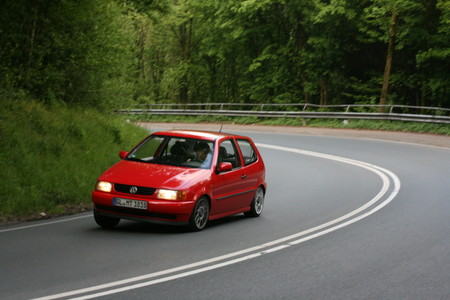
(130, 203)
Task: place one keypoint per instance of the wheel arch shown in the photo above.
(263, 186)
(208, 197)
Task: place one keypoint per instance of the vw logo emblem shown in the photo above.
(133, 190)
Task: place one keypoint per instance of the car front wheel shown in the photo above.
(257, 205)
(200, 215)
(106, 222)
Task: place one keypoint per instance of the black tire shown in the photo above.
(106, 222)
(200, 215)
(257, 205)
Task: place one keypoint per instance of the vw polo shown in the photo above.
(182, 177)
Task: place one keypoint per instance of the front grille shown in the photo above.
(135, 212)
(140, 190)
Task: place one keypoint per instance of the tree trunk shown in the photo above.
(185, 39)
(32, 40)
(300, 43)
(306, 95)
(323, 91)
(142, 42)
(388, 66)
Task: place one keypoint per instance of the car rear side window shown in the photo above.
(248, 152)
(228, 153)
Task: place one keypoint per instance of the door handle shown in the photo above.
(243, 176)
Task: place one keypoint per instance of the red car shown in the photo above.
(182, 177)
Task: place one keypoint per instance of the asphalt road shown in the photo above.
(345, 218)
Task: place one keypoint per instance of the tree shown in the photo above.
(433, 60)
(332, 35)
(110, 53)
(78, 52)
(391, 22)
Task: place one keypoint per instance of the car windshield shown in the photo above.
(174, 151)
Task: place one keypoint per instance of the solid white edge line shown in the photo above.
(45, 223)
(381, 172)
(169, 278)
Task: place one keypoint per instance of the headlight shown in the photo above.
(104, 186)
(171, 195)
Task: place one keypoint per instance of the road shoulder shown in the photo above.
(404, 137)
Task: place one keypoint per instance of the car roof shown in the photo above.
(198, 134)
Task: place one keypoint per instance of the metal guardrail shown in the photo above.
(301, 110)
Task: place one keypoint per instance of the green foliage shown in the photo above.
(111, 53)
(50, 156)
(80, 52)
(433, 61)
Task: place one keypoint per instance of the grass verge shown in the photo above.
(51, 156)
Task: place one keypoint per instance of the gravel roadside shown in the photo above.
(404, 137)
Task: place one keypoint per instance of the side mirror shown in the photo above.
(123, 154)
(225, 167)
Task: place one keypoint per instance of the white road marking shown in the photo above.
(257, 251)
(46, 223)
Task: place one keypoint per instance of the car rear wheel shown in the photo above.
(106, 222)
(200, 215)
(257, 205)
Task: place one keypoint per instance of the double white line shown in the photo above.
(390, 188)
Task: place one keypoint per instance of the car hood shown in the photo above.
(154, 175)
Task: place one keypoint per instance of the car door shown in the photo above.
(251, 167)
(230, 190)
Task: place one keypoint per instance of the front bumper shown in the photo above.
(158, 211)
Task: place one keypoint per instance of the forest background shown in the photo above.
(113, 53)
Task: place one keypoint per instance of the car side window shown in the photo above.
(248, 152)
(228, 153)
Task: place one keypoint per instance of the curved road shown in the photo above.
(345, 218)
